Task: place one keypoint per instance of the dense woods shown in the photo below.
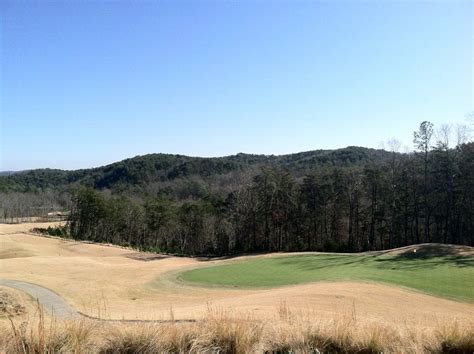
(352, 199)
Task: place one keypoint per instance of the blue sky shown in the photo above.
(89, 83)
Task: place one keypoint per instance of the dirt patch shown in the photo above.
(10, 305)
(145, 257)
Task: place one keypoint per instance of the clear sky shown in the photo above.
(87, 83)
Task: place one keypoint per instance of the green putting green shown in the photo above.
(429, 271)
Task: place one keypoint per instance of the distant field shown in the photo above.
(442, 272)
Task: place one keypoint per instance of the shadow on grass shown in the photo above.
(428, 255)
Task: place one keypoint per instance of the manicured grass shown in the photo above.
(450, 275)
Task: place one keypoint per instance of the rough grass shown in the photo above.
(221, 332)
(442, 274)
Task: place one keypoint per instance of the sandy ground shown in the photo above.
(117, 283)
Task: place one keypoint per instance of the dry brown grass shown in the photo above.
(225, 332)
(89, 275)
(454, 338)
(47, 335)
(324, 317)
(9, 304)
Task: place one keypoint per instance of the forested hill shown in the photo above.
(139, 173)
(348, 199)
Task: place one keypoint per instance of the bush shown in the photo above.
(58, 231)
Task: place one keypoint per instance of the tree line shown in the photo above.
(20, 206)
(410, 198)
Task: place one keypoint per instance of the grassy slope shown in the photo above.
(450, 276)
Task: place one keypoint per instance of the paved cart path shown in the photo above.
(50, 301)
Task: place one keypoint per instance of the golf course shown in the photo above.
(438, 270)
(417, 289)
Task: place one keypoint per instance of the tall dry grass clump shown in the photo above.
(303, 332)
(226, 332)
(141, 338)
(47, 336)
(230, 332)
(337, 336)
(454, 338)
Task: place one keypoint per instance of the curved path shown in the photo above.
(55, 305)
(50, 301)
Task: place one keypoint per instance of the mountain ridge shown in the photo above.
(160, 167)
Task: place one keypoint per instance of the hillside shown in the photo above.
(141, 171)
(352, 199)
